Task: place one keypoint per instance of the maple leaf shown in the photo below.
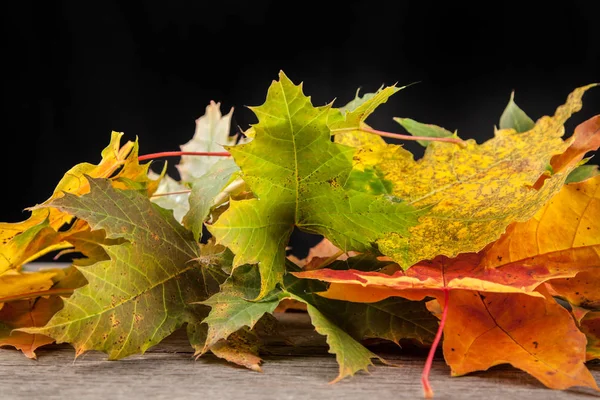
(14, 283)
(38, 235)
(475, 192)
(536, 335)
(347, 121)
(297, 174)
(582, 291)
(207, 192)
(230, 311)
(514, 118)
(212, 133)
(171, 195)
(143, 293)
(459, 280)
(565, 231)
(24, 314)
(392, 319)
(590, 326)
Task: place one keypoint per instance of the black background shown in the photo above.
(75, 71)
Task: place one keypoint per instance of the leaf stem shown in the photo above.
(183, 153)
(427, 391)
(171, 193)
(411, 137)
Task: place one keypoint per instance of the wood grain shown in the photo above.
(296, 368)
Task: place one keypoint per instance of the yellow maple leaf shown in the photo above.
(474, 191)
(24, 241)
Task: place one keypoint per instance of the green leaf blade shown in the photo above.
(230, 311)
(515, 118)
(204, 191)
(350, 355)
(297, 176)
(419, 129)
(582, 173)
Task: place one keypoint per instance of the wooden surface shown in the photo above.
(300, 370)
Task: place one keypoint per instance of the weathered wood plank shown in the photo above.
(299, 371)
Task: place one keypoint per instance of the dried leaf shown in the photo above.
(24, 314)
(240, 348)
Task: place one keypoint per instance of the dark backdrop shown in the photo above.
(76, 70)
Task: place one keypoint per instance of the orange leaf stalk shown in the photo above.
(182, 153)
(427, 391)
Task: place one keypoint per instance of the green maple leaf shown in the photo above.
(298, 175)
(230, 311)
(143, 292)
(344, 323)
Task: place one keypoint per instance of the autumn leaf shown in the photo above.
(230, 311)
(347, 120)
(241, 348)
(534, 334)
(24, 314)
(207, 192)
(297, 174)
(38, 235)
(392, 319)
(539, 241)
(515, 118)
(211, 135)
(585, 138)
(14, 283)
(30, 244)
(590, 326)
(463, 272)
(171, 195)
(143, 293)
(344, 323)
(474, 192)
(582, 291)
(465, 276)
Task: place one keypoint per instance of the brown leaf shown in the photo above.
(241, 348)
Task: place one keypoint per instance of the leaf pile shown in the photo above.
(494, 246)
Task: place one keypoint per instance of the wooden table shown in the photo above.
(298, 371)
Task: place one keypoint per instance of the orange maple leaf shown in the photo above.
(26, 314)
